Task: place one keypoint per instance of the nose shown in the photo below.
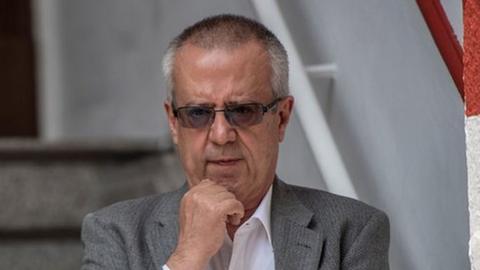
(221, 132)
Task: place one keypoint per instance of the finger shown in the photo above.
(233, 211)
(207, 188)
(221, 198)
(234, 219)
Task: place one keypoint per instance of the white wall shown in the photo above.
(393, 107)
(398, 121)
(102, 74)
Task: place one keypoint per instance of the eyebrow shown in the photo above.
(242, 102)
(211, 104)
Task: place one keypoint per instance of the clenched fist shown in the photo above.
(204, 213)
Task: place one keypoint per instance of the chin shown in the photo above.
(229, 181)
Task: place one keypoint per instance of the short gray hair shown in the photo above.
(230, 31)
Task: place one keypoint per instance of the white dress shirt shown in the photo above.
(252, 244)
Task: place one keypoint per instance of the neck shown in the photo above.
(232, 229)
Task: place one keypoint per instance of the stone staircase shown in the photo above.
(46, 188)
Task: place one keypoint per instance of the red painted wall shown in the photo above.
(471, 43)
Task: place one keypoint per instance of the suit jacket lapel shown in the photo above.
(295, 245)
(162, 236)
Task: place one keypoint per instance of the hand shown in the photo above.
(204, 212)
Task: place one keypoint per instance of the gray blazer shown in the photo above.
(311, 229)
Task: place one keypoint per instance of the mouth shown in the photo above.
(226, 162)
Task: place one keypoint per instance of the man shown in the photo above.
(228, 110)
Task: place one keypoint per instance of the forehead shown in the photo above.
(222, 74)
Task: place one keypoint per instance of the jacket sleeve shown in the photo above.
(103, 246)
(369, 250)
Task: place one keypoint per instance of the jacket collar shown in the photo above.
(161, 238)
(295, 245)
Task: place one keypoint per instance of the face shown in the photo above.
(243, 159)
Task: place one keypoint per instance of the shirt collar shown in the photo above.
(263, 210)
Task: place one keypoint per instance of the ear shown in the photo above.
(172, 121)
(285, 109)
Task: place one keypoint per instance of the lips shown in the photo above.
(225, 161)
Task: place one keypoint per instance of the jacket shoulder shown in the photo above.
(137, 211)
(352, 230)
(335, 209)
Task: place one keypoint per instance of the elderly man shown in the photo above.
(228, 109)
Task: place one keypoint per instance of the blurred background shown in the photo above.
(82, 122)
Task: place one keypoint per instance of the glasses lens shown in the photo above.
(244, 114)
(195, 117)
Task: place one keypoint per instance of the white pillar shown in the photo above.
(472, 128)
(49, 75)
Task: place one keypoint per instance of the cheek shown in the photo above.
(269, 146)
(263, 147)
(190, 149)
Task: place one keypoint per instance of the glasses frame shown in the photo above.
(226, 111)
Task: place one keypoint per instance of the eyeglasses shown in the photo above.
(239, 115)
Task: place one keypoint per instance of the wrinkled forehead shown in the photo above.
(236, 72)
(247, 52)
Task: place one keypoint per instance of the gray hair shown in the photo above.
(230, 31)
